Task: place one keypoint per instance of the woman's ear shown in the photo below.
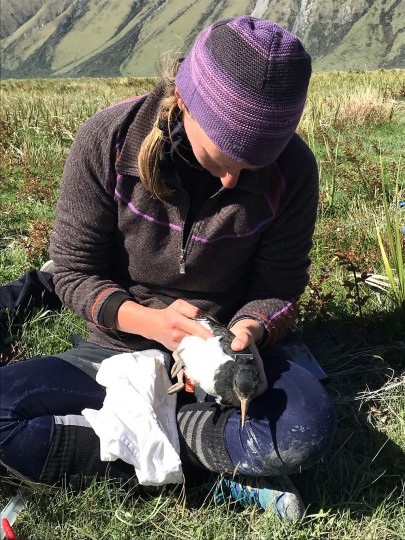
(180, 102)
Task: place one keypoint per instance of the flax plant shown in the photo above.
(393, 258)
(330, 186)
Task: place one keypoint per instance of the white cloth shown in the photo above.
(137, 422)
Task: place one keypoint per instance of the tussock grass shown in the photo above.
(353, 122)
(337, 99)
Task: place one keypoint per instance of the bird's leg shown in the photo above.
(177, 369)
(179, 385)
(178, 362)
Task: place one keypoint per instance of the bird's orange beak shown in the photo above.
(244, 404)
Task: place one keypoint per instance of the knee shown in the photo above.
(301, 421)
(283, 444)
(305, 441)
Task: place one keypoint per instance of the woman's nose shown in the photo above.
(230, 179)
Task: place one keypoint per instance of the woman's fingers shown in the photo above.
(185, 308)
(176, 322)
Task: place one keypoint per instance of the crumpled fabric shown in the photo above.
(137, 422)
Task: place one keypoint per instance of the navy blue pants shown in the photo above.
(289, 428)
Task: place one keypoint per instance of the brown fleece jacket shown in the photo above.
(246, 254)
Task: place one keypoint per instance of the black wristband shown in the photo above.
(108, 312)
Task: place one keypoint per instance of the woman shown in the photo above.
(200, 192)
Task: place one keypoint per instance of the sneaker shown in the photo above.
(49, 267)
(276, 493)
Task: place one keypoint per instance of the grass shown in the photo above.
(394, 258)
(354, 122)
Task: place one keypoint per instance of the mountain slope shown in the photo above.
(14, 14)
(62, 38)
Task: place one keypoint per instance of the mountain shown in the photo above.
(61, 38)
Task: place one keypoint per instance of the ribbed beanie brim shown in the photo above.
(245, 82)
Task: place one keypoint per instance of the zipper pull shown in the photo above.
(182, 263)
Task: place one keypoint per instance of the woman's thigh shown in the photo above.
(33, 394)
(46, 386)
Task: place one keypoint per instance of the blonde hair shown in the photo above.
(152, 145)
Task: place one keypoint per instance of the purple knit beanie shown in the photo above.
(245, 82)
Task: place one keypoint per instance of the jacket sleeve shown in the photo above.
(280, 269)
(86, 218)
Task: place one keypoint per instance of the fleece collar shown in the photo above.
(146, 110)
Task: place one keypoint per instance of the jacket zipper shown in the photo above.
(182, 261)
(186, 241)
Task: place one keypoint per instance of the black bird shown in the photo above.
(212, 365)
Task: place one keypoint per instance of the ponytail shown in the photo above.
(152, 146)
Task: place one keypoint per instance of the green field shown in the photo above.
(352, 315)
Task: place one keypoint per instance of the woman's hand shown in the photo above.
(168, 326)
(247, 332)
